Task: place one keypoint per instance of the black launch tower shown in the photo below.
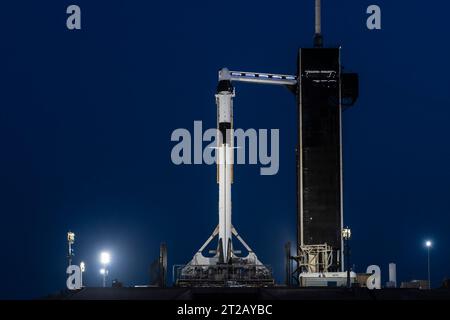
(322, 92)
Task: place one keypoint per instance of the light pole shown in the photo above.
(346, 235)
(82, 269)
(70, 242)
(105, 259)
(104, 273)
(428, 244)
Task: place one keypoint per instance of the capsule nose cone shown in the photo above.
(224, 74)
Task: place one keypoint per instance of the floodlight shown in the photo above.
(346, 233)
(105, 258)
(70, 237)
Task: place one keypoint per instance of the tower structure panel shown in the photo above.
(319, 163)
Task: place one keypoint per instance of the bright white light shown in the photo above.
(105, 258)
(346, 233)
(102, 271)
(82, 266)
(428, 243)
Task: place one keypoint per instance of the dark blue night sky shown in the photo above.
(86, 118)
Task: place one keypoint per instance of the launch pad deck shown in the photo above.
(273, 293)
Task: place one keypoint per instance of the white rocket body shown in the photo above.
(225, 230)
(225, 159)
